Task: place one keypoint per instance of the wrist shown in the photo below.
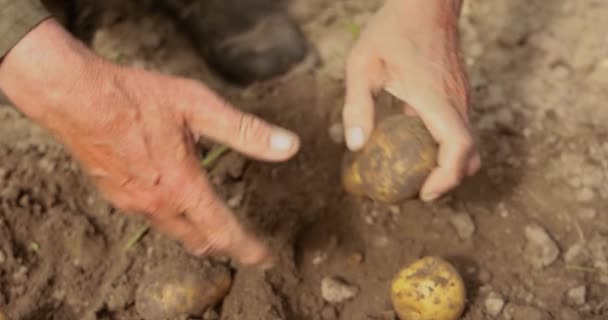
(48, 70)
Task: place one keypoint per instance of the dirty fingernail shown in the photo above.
(354, 138)
(428, 197)
(281, 141)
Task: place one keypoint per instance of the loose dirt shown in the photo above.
(527, 233)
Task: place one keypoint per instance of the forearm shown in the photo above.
(45, 68)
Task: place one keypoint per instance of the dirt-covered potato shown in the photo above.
(428, 289)
(394, 163)
(180, 292)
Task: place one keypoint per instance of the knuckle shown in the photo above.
(151, 205)
(250, 128)
(466, 145)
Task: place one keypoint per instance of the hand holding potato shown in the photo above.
(410, 49)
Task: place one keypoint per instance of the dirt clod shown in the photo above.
(577, 295)
(541, 250)
(335, 290)
(463, 224)
(494, 304)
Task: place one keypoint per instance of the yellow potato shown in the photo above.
(181, 291)
(394, 163)
(428, 289)
(2, 316)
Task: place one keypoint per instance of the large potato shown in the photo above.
(394, 163)
(181, 291)
(428, 289)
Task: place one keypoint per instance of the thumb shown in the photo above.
(358, 112)
(220, 121)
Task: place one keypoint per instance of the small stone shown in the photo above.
(573, 252)
(464, 225)
(381, 241)
(335, 290)
(210, 314)
(355, 258)
(336, 133)
(318, 258)
(395, 210)
(585, 195)
(494, 304)
(21, 274)
(237, 198)
(541, 250)
(577, 295)
(369, 220)
(502, 210)
(2, 257)
(521, 312)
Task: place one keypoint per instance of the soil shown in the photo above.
(526, 233)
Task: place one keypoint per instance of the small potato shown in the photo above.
(428, 289)
(2, 316)
(394, 163)
(178, 292)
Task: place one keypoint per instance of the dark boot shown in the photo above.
(242, 40)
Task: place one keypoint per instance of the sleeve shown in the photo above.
(17, 18)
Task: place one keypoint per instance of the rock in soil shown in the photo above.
(464, 225)
(577, 296)
(521, 312)
(335, 290)
(494, 304)
(541, 250)
(336, 133)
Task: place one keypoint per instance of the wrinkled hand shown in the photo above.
(410, 49)
(134, 132)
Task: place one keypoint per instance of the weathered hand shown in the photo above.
(134, 131)
(410, 48)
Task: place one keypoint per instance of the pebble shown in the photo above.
(395, 210)
(2, 257)
(573, 252)
(355, 258)
(541, 250)
(318, 258)
(336, 133)
(577, 295)
(210, 314)
(464, 225)
(524, 312)
(335, 290)
(236, 199)
(494, 304)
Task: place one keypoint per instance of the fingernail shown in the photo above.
(281, 141)
(428, 197)
(354, 138)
